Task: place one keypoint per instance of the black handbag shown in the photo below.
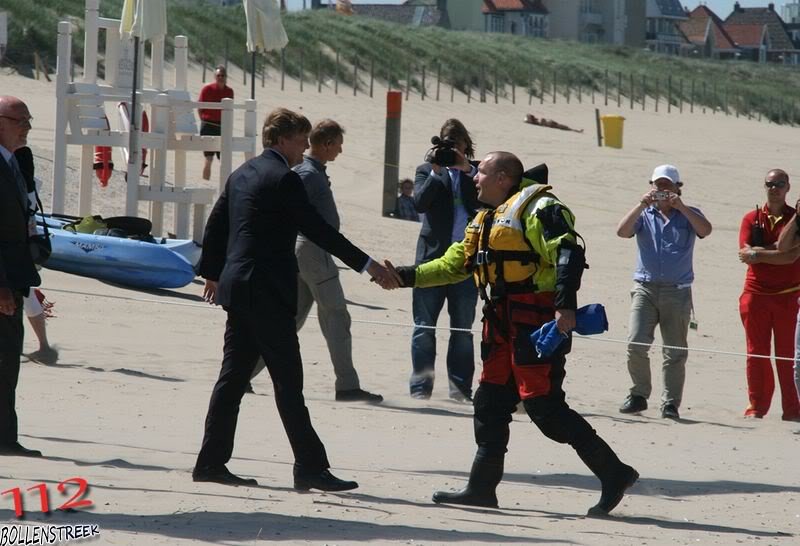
(39, 243)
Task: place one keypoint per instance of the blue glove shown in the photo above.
(589, 320)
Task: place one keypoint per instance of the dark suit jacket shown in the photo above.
(250, 238)
(17, 270)
(433, 196)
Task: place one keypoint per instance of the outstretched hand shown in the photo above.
(383, 276)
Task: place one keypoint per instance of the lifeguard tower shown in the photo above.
(81, 121)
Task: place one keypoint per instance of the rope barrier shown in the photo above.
(442, 328)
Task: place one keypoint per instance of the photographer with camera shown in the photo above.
(445, 192)
(666, 230)
(768, 303)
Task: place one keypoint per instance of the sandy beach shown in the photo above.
(124, 406)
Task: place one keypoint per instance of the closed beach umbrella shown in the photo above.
(144, 20)
(265, 31)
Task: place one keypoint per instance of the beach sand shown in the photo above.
(124, 406)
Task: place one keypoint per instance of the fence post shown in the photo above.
(669, 94)
(530, 85)
(691, 99)
(408, 80)
(438, 79)
(336, 78)
(644, 92)
(555, 85)
(619, 89)
(541, 90)
(355, 77)
(580, 92)
(424, 87)
(705, 96)
(680, 95)
(263, 71)
(632, 93)
(391, 157)
(513, 92)
(496, 85)
(371, 76)
(483, 84)
(319, 74)
(658, 92)
(204, 69)
(302, 68)
(568, 91)
(283, 68)
(606, 81)
(244, 69)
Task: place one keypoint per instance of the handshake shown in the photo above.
(390, 277)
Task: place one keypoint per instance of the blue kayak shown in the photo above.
(161, 263)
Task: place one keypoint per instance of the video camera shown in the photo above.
(443, 152)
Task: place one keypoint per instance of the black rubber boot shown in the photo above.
(487, 471)
(615, 476)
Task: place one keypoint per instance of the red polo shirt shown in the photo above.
(211, 93)
(769, 278)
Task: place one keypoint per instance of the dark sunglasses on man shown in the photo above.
(780, 184)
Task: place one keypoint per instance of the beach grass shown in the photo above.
(477, 62)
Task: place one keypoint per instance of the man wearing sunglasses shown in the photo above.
(768, 303)
(666, 230)
(17, 271)
(210, 118)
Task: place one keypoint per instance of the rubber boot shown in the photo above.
(487, 471)
(615, 476)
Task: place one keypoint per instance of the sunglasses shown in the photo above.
(780, 184)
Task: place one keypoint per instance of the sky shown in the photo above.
(720, 7)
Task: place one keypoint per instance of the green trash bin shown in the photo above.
(612, 130)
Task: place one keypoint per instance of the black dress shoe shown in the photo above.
(633, 404)
(220, 474)
(324, 481)
(669, 411)
(358, 395)
(16, 450)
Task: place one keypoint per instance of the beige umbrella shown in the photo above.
(265, 31)
(144, 20)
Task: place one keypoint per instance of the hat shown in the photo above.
(669, 172)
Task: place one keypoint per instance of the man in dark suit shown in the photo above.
(250, 269)
(17, 271)
(448, 198)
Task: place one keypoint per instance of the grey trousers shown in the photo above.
(670, 308)
(318, 281)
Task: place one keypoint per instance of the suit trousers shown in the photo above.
(670, 308)
(11, 337)
(318, 281)
(249, 335)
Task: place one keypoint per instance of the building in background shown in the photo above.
(520, 17)
(620, 22)
(706, 35)
(462, 14)
(3, 33)
(762, 34)
(663, 32)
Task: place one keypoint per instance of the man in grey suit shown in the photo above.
(17, 270)
(251, 271)
(318, 276)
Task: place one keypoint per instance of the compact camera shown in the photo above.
(661, 195)
(443, 152)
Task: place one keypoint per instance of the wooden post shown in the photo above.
(319, 73)
(424, 86)
(580, 92)
(705, 97)
(530, 85)
(263, 71)
(599, 130)
(691, 98)
(244, 70)
(391, 161)
(204, 69)
(355, 77)
(371, 76)
(541, 90)
(658, 92)
(568, 90)
(632, 93)
(302, 68)
(644, 92)
(619, 89)
(716, 97)
(513, 92)
(283, 68)
(438, 79)
(496, 85)
(483, 83)
(669, 94)
(725, 102)
(680, 95)
(408, 80)
(336, 78)
(555, 84)
(606, 80)
(452, 90)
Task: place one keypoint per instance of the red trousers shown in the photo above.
(513, 354)
(765, 317)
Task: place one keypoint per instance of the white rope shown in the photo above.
(443, 328)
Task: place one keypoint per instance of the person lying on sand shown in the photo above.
(533, 120)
